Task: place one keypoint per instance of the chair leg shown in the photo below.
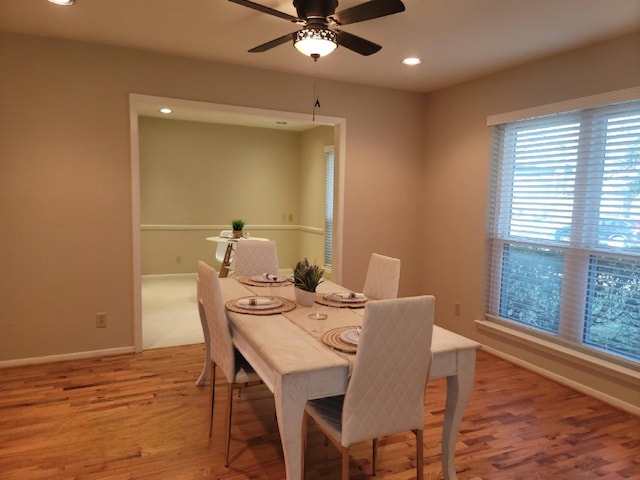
(212, 395)
(229, 411)
(345, 463)
(419, 454)
(374, 456)
(305, 420)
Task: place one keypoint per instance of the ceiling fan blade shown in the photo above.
(273, 43)
(367, 11)
(267, 10)
(357, 44)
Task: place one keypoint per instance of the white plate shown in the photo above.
(268, 278)
(258, 303)
(347, 297)
(350, 336)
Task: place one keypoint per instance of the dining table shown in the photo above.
(288, 348)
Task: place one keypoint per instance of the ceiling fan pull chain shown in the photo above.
(316, 89)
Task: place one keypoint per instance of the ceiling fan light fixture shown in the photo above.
(315, 42)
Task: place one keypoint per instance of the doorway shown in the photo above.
(148, 106)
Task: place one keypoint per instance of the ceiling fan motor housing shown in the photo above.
(311, 9)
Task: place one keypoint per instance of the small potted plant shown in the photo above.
(306, 278)
(237, 225)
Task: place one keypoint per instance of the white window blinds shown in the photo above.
(328, 209)
(564, 227)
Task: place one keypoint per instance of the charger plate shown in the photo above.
(254, 283)
(258, 302)
(333, 340)
(328, 300)
(285, 306)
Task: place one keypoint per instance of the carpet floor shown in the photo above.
(169, 311)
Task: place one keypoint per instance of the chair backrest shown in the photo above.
(385, 394)
(222, 349)
(221, 247)
(383, 277)
(255, 257)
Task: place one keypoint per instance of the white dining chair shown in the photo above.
(255, 257)
(206, 369)
(235, 368)
(383, 277)
(385, 394)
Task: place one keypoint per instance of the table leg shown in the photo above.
(290, 399)
(458, 391)
(226, 261)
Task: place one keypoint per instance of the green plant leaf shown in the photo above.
(307, 277)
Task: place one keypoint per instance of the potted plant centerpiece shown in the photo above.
(306, 278)
(237, 225)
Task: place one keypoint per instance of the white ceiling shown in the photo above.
(457, 39)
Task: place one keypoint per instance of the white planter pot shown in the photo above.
(304, 298)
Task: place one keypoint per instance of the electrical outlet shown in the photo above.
(101, 320)
(456, 309)
(291, 217)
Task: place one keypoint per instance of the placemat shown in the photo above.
(333, 340)
(287, 306)
(323, 299)
(253, 283)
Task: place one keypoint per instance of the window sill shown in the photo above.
(593, 364)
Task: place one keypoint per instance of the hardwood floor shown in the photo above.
(142, 417)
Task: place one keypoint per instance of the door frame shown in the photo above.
(140, 104)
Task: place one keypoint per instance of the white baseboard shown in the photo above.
(603, 397)
(19, 362)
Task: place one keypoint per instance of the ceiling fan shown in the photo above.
(320, 34)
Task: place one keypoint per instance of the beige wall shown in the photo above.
(455, 174)
(312, 188)
(65, 179)
(195, 174)
(415, 179)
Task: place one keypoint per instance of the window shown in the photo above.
(564, 228)
(328, 208)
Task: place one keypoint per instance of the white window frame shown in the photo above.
(571, 335)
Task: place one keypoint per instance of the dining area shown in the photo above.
(140, 416)
(356, 364)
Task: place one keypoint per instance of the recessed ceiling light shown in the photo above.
(166, 111)
(412, 61)
(63, 2)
